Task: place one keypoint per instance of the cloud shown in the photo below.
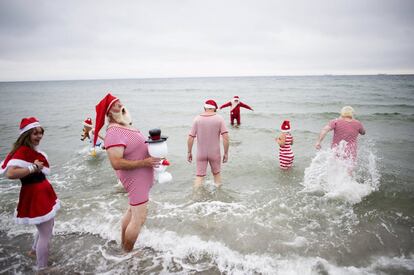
(122, 39)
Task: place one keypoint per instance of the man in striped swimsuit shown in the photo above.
(345, 128)
(129, 157)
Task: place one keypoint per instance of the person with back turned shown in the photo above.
(207, 128)
(345, 128)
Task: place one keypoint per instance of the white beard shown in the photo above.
(122, 117)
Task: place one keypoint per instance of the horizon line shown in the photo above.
(222, 76)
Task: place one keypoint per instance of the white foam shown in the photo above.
(179, 249)
(330, 174)
(297, 242)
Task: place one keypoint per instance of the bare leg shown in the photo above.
(138, 217)
(124, 223)
(217, 179)
(198, 182)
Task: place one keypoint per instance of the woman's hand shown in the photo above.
(39, 165)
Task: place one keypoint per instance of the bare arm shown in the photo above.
(190, 142)
(322, 135)
(15, 172)
(362, 131)
(225, 137)
(116, 154)
(281, 139)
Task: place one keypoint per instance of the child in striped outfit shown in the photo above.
(285, 141)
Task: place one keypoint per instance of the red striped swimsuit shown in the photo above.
(285, 153)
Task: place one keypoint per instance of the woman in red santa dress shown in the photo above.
(38, 202)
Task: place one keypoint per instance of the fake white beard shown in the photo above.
(122, 117)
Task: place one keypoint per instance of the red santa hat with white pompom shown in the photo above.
(285, 127)
(88, 122)
(210, 104)
(102, 109)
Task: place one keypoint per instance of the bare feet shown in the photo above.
(31, 254)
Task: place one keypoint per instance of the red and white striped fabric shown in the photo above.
(285, 153)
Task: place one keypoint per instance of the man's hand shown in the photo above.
(318, 146)
(225, 157)
(189, 157)
(152, 162)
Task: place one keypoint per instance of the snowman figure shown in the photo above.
(157, 148)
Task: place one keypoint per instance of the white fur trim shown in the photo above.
(22, 164)
(30, 126)
(110, 104)
(208, 106)
(40, 219)
(285, 131)
(234, 104)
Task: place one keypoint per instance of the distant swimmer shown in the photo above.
(285, 141)
(129, 157)
(345, 128)
(235, 105)
(88, 133)
(207, 128)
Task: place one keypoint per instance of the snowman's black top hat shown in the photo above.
(155, 136)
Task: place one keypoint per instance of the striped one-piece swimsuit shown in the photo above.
(285, 153)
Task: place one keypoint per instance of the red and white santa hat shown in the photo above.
(210, 104)
(285, 127)
(88, 122)
(102, 109)
(236, 97)
(28, 123)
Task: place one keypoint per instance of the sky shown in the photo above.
(85, 39)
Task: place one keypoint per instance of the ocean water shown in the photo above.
(313, 219)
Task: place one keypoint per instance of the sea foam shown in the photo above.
(338, 177)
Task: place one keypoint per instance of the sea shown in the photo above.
(316, 218)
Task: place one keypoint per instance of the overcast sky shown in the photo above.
(42, 40)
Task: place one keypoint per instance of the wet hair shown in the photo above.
(24, 140)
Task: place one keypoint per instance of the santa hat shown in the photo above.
(101, 111)
(210, 104)
(285, 127)
(88, 122)
(28, 123)
(236, 97)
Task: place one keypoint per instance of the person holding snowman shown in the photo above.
(129, 157)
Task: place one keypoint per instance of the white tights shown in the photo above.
(41, 242)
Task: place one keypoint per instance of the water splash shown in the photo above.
(335, 176)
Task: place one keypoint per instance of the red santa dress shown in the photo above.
(38, 202)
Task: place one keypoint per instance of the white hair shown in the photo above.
(347, 111)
